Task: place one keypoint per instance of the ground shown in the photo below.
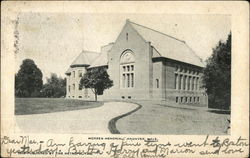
(140, 117)
(82, 121)
(163, 118)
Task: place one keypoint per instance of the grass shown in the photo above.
(26, 106)
(163, 118)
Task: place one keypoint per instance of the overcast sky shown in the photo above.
(53, 40)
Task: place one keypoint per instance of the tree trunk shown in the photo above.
(95, 97)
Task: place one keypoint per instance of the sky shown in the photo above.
(54, 40)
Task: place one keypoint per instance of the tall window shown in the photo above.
(69, 88)
(157, 83)
(127, 67)
(176, 81)
(127, 36)
(180, 82)
(73, 73)
(79, 87)
(184, 82)
(80, 73)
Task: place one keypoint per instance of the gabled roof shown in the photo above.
(102, 59)
(85, 58)
(168, 46)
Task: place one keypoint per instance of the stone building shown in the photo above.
(144, 64)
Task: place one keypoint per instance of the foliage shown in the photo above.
(217, 76)
(55, 87)
(97, 79)
(28, 80)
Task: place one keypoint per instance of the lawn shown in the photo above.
(26, 106)
(164, 118)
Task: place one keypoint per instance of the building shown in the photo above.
(144, 64)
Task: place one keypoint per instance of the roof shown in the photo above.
(68, 72)
(85, 58)
(168, 46)
(102, 59)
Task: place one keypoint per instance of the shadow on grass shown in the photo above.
(176, 107)
(220, 111)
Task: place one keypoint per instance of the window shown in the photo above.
(132, 80)
(129, 97)
(193, 83)
(128, 79)
(176, 81)
(190, 99)
(123, 80)
(180, 82)
(181, 99)
(79, 87)
(123, 97)
(127, 36)
(176, 100)
(69, 88)
(184, 82)
(80, 73)
(186, 99)
(157, 83)
(127, 68)
(73, 73)
(194, 99)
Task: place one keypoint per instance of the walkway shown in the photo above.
(94, 120)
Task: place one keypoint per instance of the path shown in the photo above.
(94, 120)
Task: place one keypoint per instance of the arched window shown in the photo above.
(127, 66)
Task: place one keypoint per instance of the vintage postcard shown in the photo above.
(124, 79)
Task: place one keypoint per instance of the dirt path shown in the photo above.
(93, 120)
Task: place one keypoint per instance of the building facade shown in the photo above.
(144, 64)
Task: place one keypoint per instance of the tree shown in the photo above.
(97, 79)
(55, 87)
(28, 80)
(217, 75)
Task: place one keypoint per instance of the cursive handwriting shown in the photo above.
(121, 147)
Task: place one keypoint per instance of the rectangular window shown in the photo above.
(186, 99)
(198, 99)
(184, 82)
(190, 83)
(157, 83)
(132, 80)
(69, 88)
(176, 100)
(190, 99)
(128, 80)
(193, 83)
(128, 68)
(73, 73)
(80, 73)
(124, 68)
(123, 80)
(132, 67)
(176, 81)
(180, 82)
(79, 87)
